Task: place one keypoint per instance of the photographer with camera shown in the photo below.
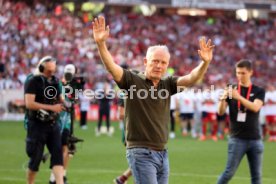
(43, 103)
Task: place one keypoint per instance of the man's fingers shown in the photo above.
(203, 38)
(209, 43)
(203, 42)
(204, 45)
(107, 29)
(199, 52)
(200, 43)
(101, 21)
(96, 22)
(211, 47)
(93, 25)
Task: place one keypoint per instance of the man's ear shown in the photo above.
(145, 61)
(250, 72)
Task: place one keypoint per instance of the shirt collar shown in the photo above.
(143, 76)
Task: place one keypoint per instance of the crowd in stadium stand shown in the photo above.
(29, 33)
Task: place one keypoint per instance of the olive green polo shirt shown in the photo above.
(147, 109)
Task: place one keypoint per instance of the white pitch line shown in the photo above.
(96, 171)
(211, 176)
(12, 179)
(42, 182)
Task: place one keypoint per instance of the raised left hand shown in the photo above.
(206, 49)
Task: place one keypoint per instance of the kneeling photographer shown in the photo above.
(43, 103)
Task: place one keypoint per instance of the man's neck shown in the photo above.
(47, 77)
(154, 81)
(246, 84)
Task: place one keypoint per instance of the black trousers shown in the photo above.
(40, 134)
(104, 112)
(83, 118)
(172, 120)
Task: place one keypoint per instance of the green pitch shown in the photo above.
(100, 159)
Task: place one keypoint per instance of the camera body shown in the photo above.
(46, 116)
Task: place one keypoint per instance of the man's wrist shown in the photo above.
(222, 98)
(239, 98)
(205, 62)
(100, 43)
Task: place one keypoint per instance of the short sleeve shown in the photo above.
(260, 95)
(127, 77)
(173, 84)
(31, 86)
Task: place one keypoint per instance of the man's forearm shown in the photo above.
(198, 72)
(249, 105)
(37, 106)
(106, 56)
(222, 107)
(115, 70)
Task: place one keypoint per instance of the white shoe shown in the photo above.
(110, 131)
(194, 135)
(172, 135)
(97, 133)
(84, 127)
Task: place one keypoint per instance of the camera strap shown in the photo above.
(43, 87)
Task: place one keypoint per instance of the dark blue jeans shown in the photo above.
(237, 148)
(148, 166)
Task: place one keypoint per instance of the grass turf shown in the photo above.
(100, 159)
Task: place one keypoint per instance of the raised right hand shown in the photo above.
(100, 31)
(225, 94)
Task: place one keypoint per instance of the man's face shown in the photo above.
(49, 69)
(157, 64)
(270, 87)
(243, 74)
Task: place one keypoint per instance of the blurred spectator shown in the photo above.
(84, 107)
(28, 33)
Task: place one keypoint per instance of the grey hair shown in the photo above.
(151, 49)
